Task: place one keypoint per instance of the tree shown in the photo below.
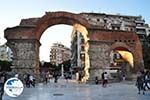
(146, 54)
(48, 66)
(5, 65)
(66, 65)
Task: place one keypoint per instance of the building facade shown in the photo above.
(5, 53)
(119, 22)
(59, 53)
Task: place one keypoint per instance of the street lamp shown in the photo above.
(62, 70)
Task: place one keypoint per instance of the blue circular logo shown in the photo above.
(13, 87)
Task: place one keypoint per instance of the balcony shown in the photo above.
(140, 21)
(141, 33)
(140, 27)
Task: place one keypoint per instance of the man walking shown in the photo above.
(140, 83)
(2, 82)
(105, 79)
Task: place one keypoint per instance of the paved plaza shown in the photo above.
(72, 91)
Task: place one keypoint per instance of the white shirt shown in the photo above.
(105, 76)
(16, 75)
(31, 78)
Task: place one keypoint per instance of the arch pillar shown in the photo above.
(138, 64)
(26, 58)
(99, 59)
(138, 57)
(25, 50)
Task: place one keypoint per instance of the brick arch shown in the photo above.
(136, 52)
(26, 37)
(54, 18)
(120, 44)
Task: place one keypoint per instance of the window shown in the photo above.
(129, 41)
(113, 28)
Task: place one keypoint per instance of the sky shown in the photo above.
(12, 11)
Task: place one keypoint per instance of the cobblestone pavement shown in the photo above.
(73, 91)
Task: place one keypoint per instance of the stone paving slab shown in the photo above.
(74, 91)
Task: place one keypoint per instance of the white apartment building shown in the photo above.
(59, 53)
(119, 22)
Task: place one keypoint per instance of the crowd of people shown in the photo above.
(143, 81)
(47, 76)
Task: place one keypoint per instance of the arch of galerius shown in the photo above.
(24, 42)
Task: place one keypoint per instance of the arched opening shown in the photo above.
(121, 62)
(55, 50)
(55, 34)
(82, 55)
(77, 23)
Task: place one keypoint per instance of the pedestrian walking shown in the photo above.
(55, 75)
(2, 82)
(46, 77)
(140, 83)
(146, 80)
(123, 77)
(32, 80)
(96, 80)
(27, 80)
(102, 76)
(80, 77)
(104, 79)
(67, 77)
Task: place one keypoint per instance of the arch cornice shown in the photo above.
(120, 44)
(20, 32)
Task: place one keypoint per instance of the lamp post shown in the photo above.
(62, 71)
(71, 71)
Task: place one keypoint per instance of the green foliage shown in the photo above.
(66, 65)
(52, 67)
(48, 65)
(146, 54)
(5, 65)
